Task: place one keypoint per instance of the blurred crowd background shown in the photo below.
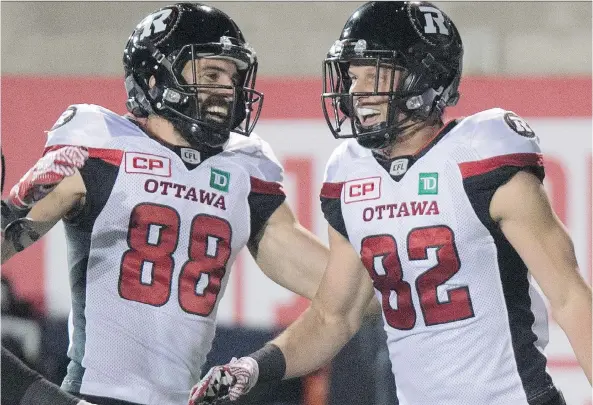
(534, 55)
(291, 38)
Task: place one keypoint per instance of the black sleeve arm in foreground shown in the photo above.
(23, 386)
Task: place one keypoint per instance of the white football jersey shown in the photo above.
(151, 250)
(464, 324)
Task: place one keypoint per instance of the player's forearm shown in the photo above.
(9, 215)
(296, 271)
(313, 340)
(65, 199)
(21, 234)
(574, 317)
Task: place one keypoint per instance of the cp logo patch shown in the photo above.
(362, 189)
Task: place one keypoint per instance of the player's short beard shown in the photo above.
(215, 100)
(213, 135)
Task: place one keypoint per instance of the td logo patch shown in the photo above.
(428, 183)
(519, 125)
(219, 179)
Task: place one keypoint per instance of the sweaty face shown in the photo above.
(214, 102)
(372, 110)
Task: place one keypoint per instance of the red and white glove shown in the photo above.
(230, 381)
(47, 173)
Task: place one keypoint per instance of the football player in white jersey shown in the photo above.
(156, 207)
(445, 223)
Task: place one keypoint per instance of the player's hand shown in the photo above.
(47, 173)
(230, 381)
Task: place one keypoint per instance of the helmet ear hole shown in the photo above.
(155, 93)
(137, 104)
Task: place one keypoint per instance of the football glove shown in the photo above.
(46, 174)
(230, 381)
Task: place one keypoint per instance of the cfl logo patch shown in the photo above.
(190, 156)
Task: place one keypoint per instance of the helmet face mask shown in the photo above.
(384, 94)
(164, 59)
(424, 60)
(189, 100)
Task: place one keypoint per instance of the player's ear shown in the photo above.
(151, 82)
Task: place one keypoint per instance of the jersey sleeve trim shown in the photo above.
(332, 211)
(260, 186)
(331, 190)
(111, 156)
(261, 207)
(479, 167)
(331, 206)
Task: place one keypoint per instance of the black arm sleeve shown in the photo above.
(23, 386)
(97, 192)
(332, 210)
(262, 206)
(481, 188)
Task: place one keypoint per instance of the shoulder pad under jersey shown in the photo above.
(91, 126)
(256, 156)
(499, 139)
(498, 132)
(336, 169)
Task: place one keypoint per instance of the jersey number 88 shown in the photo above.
(200, 276)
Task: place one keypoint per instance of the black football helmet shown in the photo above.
(415, 39)
(160, 47)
